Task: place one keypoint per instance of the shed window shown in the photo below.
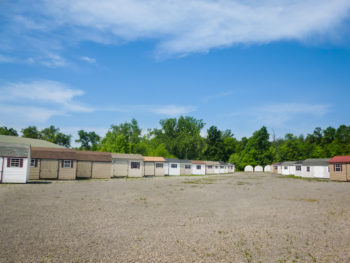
(173, 165)
(198, 167)
(276, 167)
(187, 166)
(338, 167)
(159, 165)
(210, 167)
(14, 162)
(222, 167)
(285, 167)
(308, 168)
(135, 165)
(34, 163)
(67, 164)
(216, 167)
(298, 168)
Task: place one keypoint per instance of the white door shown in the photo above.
(166, 169)
(1, 167)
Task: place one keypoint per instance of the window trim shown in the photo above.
(338, 167)
(173, 165)
(10, 163)
(65, 164)
(159, 165)
(187, 166)
(35, 163)
(198, 167)
(135, 165)
(298, 168)
(308, 169)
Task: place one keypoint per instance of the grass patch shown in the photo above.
(201, 181)
(302, 178)
(242, 183)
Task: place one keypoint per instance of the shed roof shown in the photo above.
(14, 150)
(53, 153)
(174, 160)
(153, 159)
(340, 159)
(93, 156)
(316, 162)
(197, 162)
(211, 163)
(29, 141)
(288, 163)
(127, 156)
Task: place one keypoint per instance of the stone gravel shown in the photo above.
(243, 217)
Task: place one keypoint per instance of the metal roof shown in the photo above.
(174, 160)
(340, 159)
(29, 141)
(14, 150)
(288, 163)
(316, 162)
(127, 156)
(153, 159)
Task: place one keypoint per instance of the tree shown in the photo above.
(88, 140)
(8, 131)
(31, 132)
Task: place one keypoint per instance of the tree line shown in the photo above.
(181, 138)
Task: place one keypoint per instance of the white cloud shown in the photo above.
(180, 27)
(217, 96)
(53, 61)
(88, 59)
(38, 101)
(6, 59)
(280, 114)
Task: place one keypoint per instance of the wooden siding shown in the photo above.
(150, 169)
(101, 170)
(67, 173)
(34, 173)
(342, 175)
(48, 169)
(84, 169)
(120, 168)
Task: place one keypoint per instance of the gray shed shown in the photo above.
(127, 165)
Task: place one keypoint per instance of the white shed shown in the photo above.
(317, 168)
(198, 167)
(288, 168)
(231, 168)
(267, 169)
(217, 168)
(248, 168)
(222, 167)
(258, 168)
(14, 163)
(172, 166)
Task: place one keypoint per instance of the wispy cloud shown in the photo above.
(88, 59)
(40, 100)
(6, 59)
(180, 27)
(279, 114)
(217, 96)
(53, 61)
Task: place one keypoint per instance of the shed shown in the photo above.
(267, 169)
(127, 165)
(288, 168)
(231, 168)
(298, 168)
(248, 168)
(94, 164)
(222, 167)
(29, 141)
(274, 167)
(258, 168)
(185, 167)
(317, 168)
(217, 168)
(210, 166)
(53, 163)
(339, 168)
(14, 163)
(198, 167)
(172, 166)
(154, 166)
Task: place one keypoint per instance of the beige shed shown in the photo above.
(94, 164)
(53, 163)
(210, 167)
(154, 166)
(127, 165)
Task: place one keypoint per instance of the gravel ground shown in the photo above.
(233, 218)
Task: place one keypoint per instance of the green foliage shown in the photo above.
(88, 140)
(31, 132)
(51, 134)
(8, 131)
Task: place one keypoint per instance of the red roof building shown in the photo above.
(339, 168)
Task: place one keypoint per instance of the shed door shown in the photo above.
(1, 167)
(84, 169)
(49, 169)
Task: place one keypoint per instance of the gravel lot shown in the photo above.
(231, 218)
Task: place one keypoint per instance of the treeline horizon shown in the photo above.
(180, 138)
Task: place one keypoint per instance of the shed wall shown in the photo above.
(185, 171)
(15, 174)
(101, 170)
(48, 169)
(120, 168)
(67, 173)
(34, 172)
(150, 169)
(340, 176)
(84, 169)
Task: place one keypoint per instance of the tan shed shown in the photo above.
(94, 164)
(210, 167)
(339, 168)
(127, 165)
(185, 167)
(53, 163)
(154, 166)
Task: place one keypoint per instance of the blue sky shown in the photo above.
(238, 65)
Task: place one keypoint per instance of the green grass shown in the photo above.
(302, 178)
(201, 181)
